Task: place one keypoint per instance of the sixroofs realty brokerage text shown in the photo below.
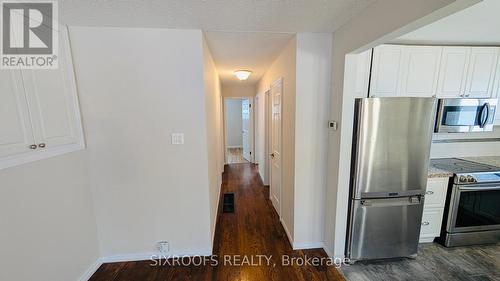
(246, 260)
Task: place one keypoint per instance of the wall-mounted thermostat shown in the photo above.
(332, 125)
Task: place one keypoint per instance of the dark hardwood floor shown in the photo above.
(253, 229)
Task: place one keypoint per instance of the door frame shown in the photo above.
(270, 108)
(252, 126)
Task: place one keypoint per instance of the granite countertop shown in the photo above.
(438, 173)
(488, 160)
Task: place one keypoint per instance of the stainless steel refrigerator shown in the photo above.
(390, 159)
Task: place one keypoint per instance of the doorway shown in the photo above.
(238, 130)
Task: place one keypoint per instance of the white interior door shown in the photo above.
(245, 127)
(16, 134)
(275, 192)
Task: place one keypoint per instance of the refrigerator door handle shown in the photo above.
(401, 201)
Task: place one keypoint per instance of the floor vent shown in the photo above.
(228, 202)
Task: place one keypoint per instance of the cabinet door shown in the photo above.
(420, 71)
(16, 134)
(386, 71)
(53, 101)
(481, 72)
(453, 72)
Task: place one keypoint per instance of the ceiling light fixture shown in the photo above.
(242, 74)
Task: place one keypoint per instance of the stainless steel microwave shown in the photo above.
(465, 115)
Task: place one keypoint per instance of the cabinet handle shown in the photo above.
(425, 223)
(429, 192)
(33, 146)
(42, 145)
(467, 95)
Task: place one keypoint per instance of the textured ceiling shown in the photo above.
(477, 25)
(254, 51)
(242, 34)
(212, 15)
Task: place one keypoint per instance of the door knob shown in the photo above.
(42, 145)
(272, 155)
(33, 146)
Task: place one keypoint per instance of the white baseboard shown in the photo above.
(91, 270)
(303, 246)
(148, 256)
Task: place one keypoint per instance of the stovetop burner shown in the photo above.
(459, 166)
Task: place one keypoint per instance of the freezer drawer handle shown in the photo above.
(413, 200)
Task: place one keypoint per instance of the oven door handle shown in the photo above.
(479, 188)
(482, 119)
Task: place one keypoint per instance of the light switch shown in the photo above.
(177, 138)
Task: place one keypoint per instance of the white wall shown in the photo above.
(47, 224)
(311, 136)
(357, 35)
(305, 65)
(238, 90)
(214, 119)
(284, 67)
(133, 95)
(234, 136)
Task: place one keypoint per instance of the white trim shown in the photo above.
(91, 270)
(148, 256)
(31, 156)
(290, 240)
(216, 212)
(306, 245)
(424, 239)
(328, 252)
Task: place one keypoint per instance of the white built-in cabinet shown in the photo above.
(426, 71)
(39, 111)
(386, 71)
(434, 202)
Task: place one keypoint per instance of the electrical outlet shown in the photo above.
(162, 246)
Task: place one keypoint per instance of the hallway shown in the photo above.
(253, 229)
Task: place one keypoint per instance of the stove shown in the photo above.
(468, 172)
(472, 211)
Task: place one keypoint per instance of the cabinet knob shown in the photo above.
(429, 192)
(42, 145)
(425, 223)
(33, 146)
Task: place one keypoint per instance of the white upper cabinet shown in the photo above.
(425, 71)
(420, 71)
(39, 111)
(16, 135)
(52, 98)
(481, 72)
(386, 71)
(453, 72)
